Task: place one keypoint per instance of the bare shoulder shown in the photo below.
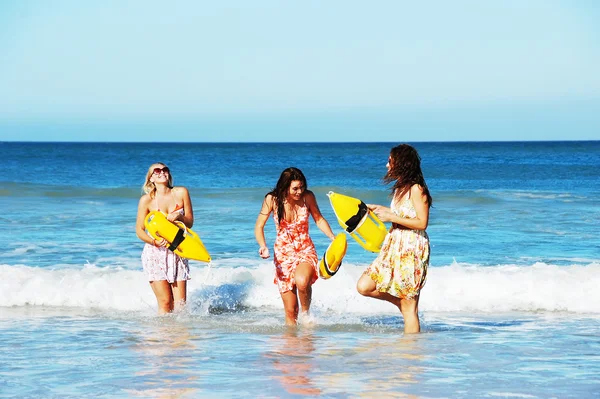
(309, 195)
(268, 204)
(417, 192)
(145, 199)
(310, 198)
(269, 199)
(416, 189)
(180, 190)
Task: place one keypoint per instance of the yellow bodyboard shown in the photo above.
(332, 258)
(185, 242)
(362, 224)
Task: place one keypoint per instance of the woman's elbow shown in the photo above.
(422, 225)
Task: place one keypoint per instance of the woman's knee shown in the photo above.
(303, 276)
(365, 285)
(302, 283)
(164, 297)
(165, 303)
(291, 312)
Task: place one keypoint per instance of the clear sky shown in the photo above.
(311, 70)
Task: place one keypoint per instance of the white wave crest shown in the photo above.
(233, 285)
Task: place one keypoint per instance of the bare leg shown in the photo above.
(303, 277)
(290, 306)
(164, 295)
(408, 307)
(366, 286)
(410, 312)
(179, 289)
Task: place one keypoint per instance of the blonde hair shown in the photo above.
(149, 187)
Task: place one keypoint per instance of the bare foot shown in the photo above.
(306, 319)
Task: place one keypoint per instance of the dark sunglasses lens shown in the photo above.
(158, 170)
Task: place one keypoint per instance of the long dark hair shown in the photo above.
(405, 171)
(283, 187)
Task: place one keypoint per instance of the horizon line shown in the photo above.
(294, 142)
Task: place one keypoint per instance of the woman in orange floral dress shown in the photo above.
(399, 271)
(295, 256)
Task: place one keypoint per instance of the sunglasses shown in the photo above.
(158, 171)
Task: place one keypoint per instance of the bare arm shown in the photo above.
(320, 221)
(140, 228)
(419, 201)
(259, 226)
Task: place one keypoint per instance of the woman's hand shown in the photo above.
(160, 242)
(263, 252)
(384, 213)
(173, 216)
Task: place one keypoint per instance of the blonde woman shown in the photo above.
(167, 272)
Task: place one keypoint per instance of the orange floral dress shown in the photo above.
(400, 269)
(293, 246)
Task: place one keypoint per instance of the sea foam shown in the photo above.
(241, 284)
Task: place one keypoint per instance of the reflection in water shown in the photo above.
(385, 366)
(347, 365)
(292, 357)
(166, 348)
(394, 367)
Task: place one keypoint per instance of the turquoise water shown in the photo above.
(510, 309)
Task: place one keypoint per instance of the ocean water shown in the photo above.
(511, 307)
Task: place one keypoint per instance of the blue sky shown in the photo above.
(299, 71)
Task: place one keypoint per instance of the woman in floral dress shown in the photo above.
(398, 273)
(295, 257)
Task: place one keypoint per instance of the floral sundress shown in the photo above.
(400, 269)
(293, 246)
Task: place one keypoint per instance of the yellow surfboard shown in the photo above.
(362, 224)
(184, 242)
(332, 258)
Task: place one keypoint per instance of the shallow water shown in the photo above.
(511, 307)
(81, 354)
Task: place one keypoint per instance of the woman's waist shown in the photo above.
(293, 233)
(397, 226)
(400, 229)
(305, 243)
